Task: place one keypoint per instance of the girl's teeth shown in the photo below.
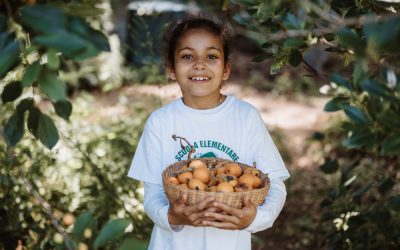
(200, 78)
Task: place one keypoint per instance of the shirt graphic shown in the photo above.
(222, 150)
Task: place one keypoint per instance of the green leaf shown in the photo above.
(291, 22)
(358, 138)
(386, 185)
(330, 166)
(47, 131)
(359, 73)
(44, 18)
(391, 144)
(33, 121)
(63, 109)
(355, 114)
(99, 40)
(83, 222)
(14, 128)
(262, 57)
(295, 58)
(58, 41)
(11, 91)
(132, 243)
(336, 104)
(351, 40)
(25, 105)
(52, 86)
(83, 10)
(360, 191)
(31, 74)
(293, 43)
(111, 231)
(376, 89)
(9, 58)
(394, 202)
(340, 81)
(266, 45)
(53, 62)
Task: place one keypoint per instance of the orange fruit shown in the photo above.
(202, 174)
(233, 169)
(225, 187)
(212, 189)
(185, 177)
(183, 185)
(197, 164)
(231, 179)
(197, 184)
(252, 171)
(257, 182)
(242, 188)
(173, 180)
(246, 179)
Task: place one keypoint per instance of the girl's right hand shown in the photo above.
(179, 213)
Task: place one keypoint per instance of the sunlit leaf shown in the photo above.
(31, 74)
(52, 86)
(339, 80)
(83, 222)
(111, 231)
(53, 62)
(133, 243)
(336, 104)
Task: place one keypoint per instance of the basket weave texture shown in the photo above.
(234, 199)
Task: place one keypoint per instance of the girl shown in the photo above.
(197, 55)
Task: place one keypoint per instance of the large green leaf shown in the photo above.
(53, 62)
(9, 57)
(99, 40)
(83, 222)
(44, 18)
(83, 9)
(11, 91)
(31, 74)
(51, 85)
(293, 43)
(33, 121)
(350, 39)
(358, 138)
(63, 109)
(356, 114)
(24, 105)
(336, 104)
(376, 89)
(47, 131)
(111, 231)
(391, 144)
(133, 243)
(58, 41)
(14, 128)
(339, 80)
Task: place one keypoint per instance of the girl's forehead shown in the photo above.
(197, 36)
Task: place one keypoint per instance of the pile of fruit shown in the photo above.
(218, 176)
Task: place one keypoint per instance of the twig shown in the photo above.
(192, 150)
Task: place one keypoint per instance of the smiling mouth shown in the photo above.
(199, 78)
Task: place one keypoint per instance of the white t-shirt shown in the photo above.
(233, 130)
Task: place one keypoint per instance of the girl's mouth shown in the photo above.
(199, 78)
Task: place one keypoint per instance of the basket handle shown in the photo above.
(192, 150)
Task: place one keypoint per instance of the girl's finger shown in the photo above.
(201, 205)
(220, 225)
(221, 217)
(228, 209)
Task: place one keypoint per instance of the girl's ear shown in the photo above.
(227, 70)
(171, 72)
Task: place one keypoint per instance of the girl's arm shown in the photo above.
(268, 212)
(156, 206)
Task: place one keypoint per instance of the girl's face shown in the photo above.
(199, 66)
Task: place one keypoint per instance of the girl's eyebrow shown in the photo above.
(209, 48)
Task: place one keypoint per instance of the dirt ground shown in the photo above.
(297, 121)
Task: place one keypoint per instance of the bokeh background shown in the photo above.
(80, 77)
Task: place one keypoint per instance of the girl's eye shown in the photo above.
(187, 57)
(212, 57)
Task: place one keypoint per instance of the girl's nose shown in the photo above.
(199, 65)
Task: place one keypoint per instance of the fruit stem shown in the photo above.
(183, 147)
(254, 164)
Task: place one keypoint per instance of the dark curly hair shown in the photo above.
(179, 28)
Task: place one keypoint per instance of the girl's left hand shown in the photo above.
(229, 217)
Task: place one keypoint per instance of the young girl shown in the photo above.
(197, 54)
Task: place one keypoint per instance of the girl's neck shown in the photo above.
(204, 102)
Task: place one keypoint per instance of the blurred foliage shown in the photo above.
(362, 209)
(85, 172)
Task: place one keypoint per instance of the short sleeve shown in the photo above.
(264, 151)
(146, 163)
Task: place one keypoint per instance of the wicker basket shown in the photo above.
(234, 199)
